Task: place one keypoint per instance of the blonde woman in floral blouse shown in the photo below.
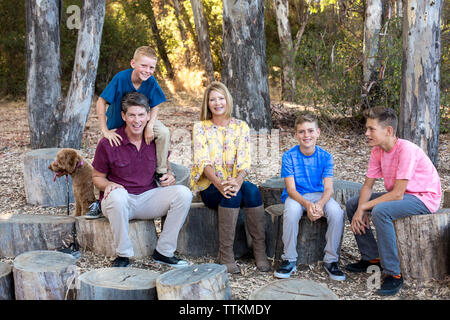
(221, 163)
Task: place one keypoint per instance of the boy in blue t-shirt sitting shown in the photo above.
(307, 170)
(138, 79)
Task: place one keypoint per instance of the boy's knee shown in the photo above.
(351, 205)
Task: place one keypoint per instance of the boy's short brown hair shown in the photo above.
(306, 116)
(145, 51)
(385, 116)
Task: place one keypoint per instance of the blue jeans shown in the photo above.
(383, 216)
(248, 196)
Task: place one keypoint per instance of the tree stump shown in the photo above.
(310, 240)
(42, 275)
(196, 282)
(96, 236)
(199, 235)
(272, 189)
(6, 282)
(20, 233)
(117, 284)
(423, 245)
(293, 289)
(38, 180)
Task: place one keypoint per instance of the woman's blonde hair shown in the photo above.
(222, 89)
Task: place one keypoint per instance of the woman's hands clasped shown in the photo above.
(230, 187)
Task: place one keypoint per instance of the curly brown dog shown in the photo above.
(68, 161)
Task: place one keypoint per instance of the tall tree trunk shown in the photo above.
(287, 51)
(181, 28)
(420, 95)
(159, 42)
(372, 28)
(244, 61)
(81, 90)
(43, 71)
(202, 29)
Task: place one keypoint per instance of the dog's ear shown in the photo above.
(71, 160)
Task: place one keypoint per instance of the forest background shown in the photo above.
(328, 62)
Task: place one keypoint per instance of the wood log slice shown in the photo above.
(38, 179)
(272, 189)
(293, 289)
(42, 275)
(199, 235)
(311, 240)
(20, 233)
(197, 282)
(117, 284)
(423, 245)
(6, 282)
(95, 235)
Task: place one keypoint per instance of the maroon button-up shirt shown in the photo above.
(133, 169)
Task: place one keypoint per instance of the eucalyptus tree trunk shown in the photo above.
(53, 120)
(43, 71)
(287, 50)
(79, 97)
(187, 52)
(420, 96)
(244, 61)
(372, 28)
(202, 29)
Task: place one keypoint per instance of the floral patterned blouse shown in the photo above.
(226, 149)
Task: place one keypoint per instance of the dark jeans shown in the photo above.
(248, 196)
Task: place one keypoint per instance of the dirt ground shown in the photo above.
(350, 156)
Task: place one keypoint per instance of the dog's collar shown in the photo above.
(80, 163)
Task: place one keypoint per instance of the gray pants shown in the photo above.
(293, 211)
(120, 207)
(162, 142)
(383, 216)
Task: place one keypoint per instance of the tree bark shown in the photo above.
(159, 42)
(78, 101)
(372, 28)
(43, 71)
(6, 282)
(181, 28)
(419, 118)
(244, 61)
(202, 29)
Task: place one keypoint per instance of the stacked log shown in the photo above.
(196, 282)
(95, 235)
(117, 284)
(20, 233)
(43, 275)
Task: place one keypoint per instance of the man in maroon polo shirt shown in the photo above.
(124, 175)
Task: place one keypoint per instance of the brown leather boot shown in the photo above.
(255, 226)
(227, 228)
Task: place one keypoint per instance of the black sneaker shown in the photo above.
(333, 270)
(390, 286)
(121, 262)
(285, 270)
(95, 211)
(171, 261)
(158, 178)
(361, 266)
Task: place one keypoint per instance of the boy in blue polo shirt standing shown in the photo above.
(307, 170)
(138, 79)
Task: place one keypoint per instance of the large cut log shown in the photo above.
(310, 239)
(38, 180)
(293, 289)
(96, 236)
(423, 245)
(6, 282)
(20, 233)
(196, 282)
(272, 189)
(199, 235)
(43, 275)
(117, 284)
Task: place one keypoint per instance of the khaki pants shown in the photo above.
(120, 207)
(162, 141)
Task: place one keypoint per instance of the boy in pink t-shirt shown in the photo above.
(413, 187)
